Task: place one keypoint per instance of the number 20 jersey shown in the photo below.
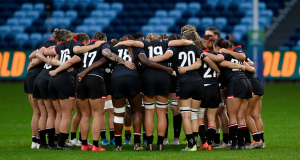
(183, 57)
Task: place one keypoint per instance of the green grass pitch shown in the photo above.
(280, 113)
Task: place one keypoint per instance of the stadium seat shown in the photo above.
(207, 22)
(39, 7)
(240, 28)
(58, 14)
(237, 35)
(9, 37)
(194, 7)
(89, 21)
(46, 36)
(82, 29)
(20, 14)
(168, 21)
(262, 5)
(96, 13)
(289, 43)
(212, 2)
(298, 42)
(71, 14)
(167, 6)
(33, 14)
(266, 13)
(161, 28)
(154, 21)
(147, 29)
(95, 28)
(194, 21)
(25, 22)
(12, 21)
(220, 22)
(296, 48)
(284, 48)
(233, 21)
(110, 14)
(103, 21)
(117, 6)
(21, 38)
(161, 13)
(247, 20)
(17, 29)
(133, 29)
(36, 37)
(27, 6)
(245, 6)
(103, 6)
(64, 22)
(181, 6)
(52, 21)
(220, 7)
(175, 14)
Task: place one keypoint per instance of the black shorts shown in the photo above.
(212, 96)
(173, 84)
(156, 82)
(240, 88)
(62, 86)
(40, 88)
(125, 86)
(257, 87)
(29, 81)
(190, 89)
(90, 87)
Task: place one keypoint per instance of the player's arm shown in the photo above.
(55, 62)
(110, 55)
(66, 65)
(215, 58)
(95, 65)
(249, 68)
(194, 66)
(130, 43)
(211, 64)
(232, 65)
(239, 56)
(33, 63)
(32, 55)
(83, 49)
(250, 63)
(50, 51)
(180, 42)
(40, 55)
(168, 54)
(145, 61)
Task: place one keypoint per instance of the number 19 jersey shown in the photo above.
(156, 48)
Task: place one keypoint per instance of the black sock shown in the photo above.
(34, 139)
(177, 121)
(127, 135)
(232, 132)
(150, 139)
(211, 131)
(51, 133)
(160, 140)
(247, 136)
(190, 139)
(95, 143)
(195, 134)
(137, 137)
(56, 137)
(118, 140)
(241, 135)
(216, 138)
(84, 142)
(144, 135)
(256, 136)
(73, 135)
(67, 135)
(62, 139)
(166, 134)
(80, 136)
(38, 140)
(202, 133)
(112, 133)
(261, 135)
(103, 134)
(42, 136)
(225, 138)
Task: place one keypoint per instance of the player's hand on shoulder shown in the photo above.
(129, 65)
(98, 43)
(223, 50)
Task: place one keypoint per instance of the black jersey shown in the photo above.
(65, 52)
(183, 57)
(107, 70)
(47, 67)
(122, 52)
(155, 48)
(239, 49)
(208, 74)
(88, 58)
(232, 74)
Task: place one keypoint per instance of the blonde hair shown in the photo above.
(151, 37)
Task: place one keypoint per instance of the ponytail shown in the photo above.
(151, 37)
(223, 43)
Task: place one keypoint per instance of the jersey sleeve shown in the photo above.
(172, 49)
(141, 51)
(56, 49)
(200, 54)
(105, 46)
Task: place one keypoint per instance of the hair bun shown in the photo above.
(113, 40)
(227, 37)
(210, 38)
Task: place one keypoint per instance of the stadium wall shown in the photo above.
(278, 65)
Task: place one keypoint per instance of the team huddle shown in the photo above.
(208, 82)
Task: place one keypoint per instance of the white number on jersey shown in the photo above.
(155, 52)
(48, 66)
(92, 55)
(206, 74)
(65, 55)
(190, 57)
(238, 62)
(123, 53)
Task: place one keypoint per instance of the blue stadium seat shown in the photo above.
(103, 6)
(240, 28)
(21, 38)
(220, 22)
(96, 13)
(26, 22)
(247, 20)
(161, 28)
(286, 48)
(89, 21)
(266, 13)
(223, 34)
(289, 43)
(4, 30)
(212, 2)
(58, 14)
(94, 29)
(262, 5)
(52, 21)
(117, 6)
(110, 14)
(147, 29)
(264, 20)
(103, 21)
(63, 22)
(20, 14)
(298, 43)
(161, 13)
(175, 14)
(47, 36)
(39, 7)
(36, 37)
(194, 21)
(168, 21)
(245, 6)
(12, 21)
(17, 29)
(82, 29)
(296, 48)
(194, 7)
(71, 14)
(33, 14)
(181, 6)
(155, 21)
(97, 1)
(27, 6)
(207, 22)
(237, 35)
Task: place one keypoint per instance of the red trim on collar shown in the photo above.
(93, 40)
(239, 46)
(75, 40)
(52, 39)
(230, 49)
(206, 50)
